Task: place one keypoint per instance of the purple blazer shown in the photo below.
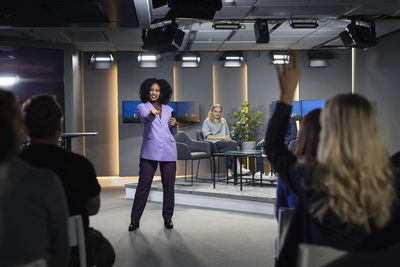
(158, 136)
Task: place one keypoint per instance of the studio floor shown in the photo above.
(201, 236)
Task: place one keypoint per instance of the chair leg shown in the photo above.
(185, 168)
(192, 173)
(198, 165)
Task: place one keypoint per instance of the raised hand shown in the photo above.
(289, 77)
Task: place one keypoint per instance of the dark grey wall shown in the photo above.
(196, 84)
(377, 77)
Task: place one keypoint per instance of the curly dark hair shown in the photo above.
(42, 116)
(165, 90)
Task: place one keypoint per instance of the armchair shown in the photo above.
(189, 149)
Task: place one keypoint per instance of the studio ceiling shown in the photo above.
(116, 25)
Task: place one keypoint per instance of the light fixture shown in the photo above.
(296, 24)
(101, 61)
(188, 59)
(319, 58)
(358, 36)
(227, 26)
(233, 59)
(8, 80)
(280, 58)
(163, 39)
(148, 60)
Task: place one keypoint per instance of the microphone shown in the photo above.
(173, 114)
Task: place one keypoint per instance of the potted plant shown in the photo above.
(246, 122)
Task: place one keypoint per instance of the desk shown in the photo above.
(235, 155)
(69, 136)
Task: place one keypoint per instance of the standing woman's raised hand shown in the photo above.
(289, 76)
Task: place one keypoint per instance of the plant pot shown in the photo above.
(248, 145)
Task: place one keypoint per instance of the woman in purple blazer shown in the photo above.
(158, 146)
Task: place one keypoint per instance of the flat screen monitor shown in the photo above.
(309, 105)
(188, 111)
(129, 113)
(296, 109)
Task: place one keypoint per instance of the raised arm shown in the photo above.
(146, 113)
(280, 157)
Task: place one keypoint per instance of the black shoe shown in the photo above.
(168, 224)
(133, 226)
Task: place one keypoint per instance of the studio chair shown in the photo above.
(317, 256)
(285, 218)
(200, 137)
(189, 149)
(76, 236)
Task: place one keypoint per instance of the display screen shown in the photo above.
(302, 107)
(185, 111)
(309, 105)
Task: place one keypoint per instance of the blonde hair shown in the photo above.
(355, 170)
(210, 116)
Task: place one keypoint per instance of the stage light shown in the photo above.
(8, 80)
(148, 60)
(188, 59)
(358, 36)
(280, 58)
(101, 61)
(233, 59)
(304, 24)
(163, 39)
(227, 26)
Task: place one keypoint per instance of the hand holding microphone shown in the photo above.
(172, 120)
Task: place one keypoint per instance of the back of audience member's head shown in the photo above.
(355, 168)
(42, 116)
(307, 141)
(11, 125)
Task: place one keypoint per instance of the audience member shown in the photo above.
(215, 129)
(43, 120)
(33, 210)
(291, 135)
(347, 195)
(307, 144)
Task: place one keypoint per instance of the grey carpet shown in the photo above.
(202, 237)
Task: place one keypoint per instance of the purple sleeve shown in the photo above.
(144, 113)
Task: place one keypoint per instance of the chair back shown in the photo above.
(77, 237)
(35, 263)
(199, 135)
(182, 137)
(285, 217)
(317, 256)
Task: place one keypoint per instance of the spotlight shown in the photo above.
(188, 59)
(148, 60)
(358, 36)
(232, 59)
(227, 26)
(8, 80)
(304, 24)
(280, 58)
(261, 31)
(319, 58)
(101, 61)
(163, 39)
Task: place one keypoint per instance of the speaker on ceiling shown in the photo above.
(261, 31)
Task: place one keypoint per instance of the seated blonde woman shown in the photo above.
(215, 129)
(347, 195)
